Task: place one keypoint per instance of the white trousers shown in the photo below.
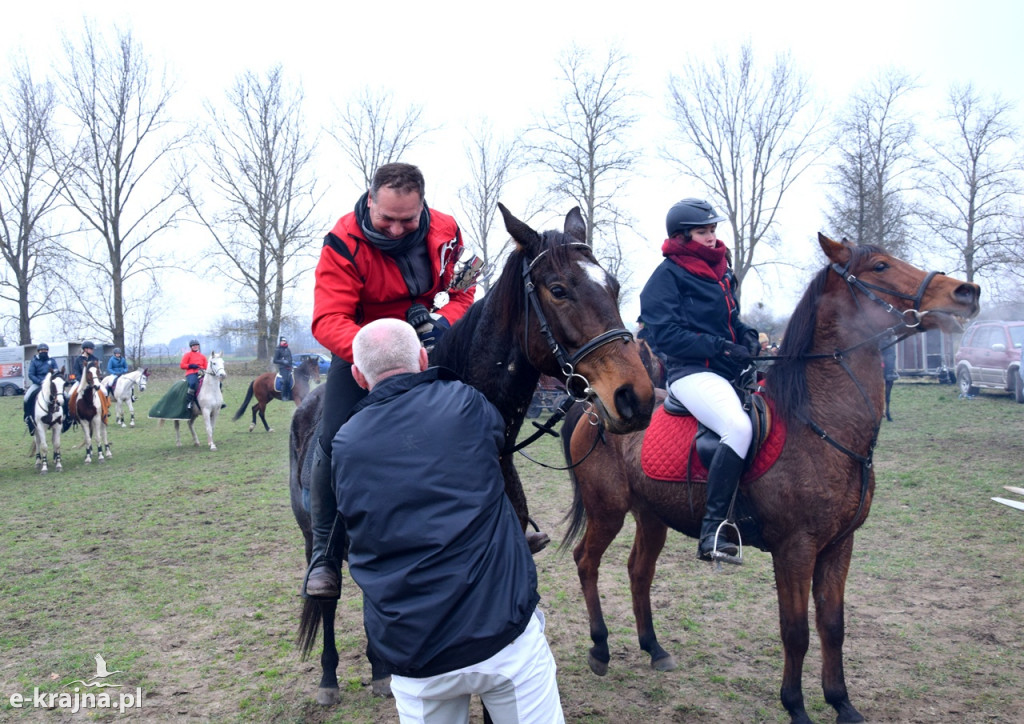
(517, 685)
(712, 400)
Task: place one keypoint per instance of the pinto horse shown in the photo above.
(553, 310)
(827, 387)
(122, 393)
(262, 388)
(89, 405)
(48, 415)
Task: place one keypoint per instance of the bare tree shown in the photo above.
(121, 110)
(492, 163)
(583, 145)
(875, 145)
(259, 161)
(28, 193)
(974, 187)
(372, 132)
(747, 134)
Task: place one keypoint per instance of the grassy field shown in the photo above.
(181, 567)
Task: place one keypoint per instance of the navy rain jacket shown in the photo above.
(434, 543)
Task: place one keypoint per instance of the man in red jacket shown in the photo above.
(392, 256)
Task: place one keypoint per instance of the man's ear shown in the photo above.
(424, 361)
(360, 378)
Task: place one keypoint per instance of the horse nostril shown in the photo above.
(967, 293)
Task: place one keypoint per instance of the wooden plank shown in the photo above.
(1012, 503)
(1013, 489)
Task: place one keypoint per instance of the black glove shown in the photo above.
(418, 316)
(738, 353)
(752, 342)
(435, 328)
(193, 367)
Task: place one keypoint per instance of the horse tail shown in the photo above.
(309, 627)
(577, 514)
(245, 402)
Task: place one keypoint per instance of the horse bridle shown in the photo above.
(567, 363)
(857, 285)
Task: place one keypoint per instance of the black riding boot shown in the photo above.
(190, 397)
(723, 477)
(322, 578)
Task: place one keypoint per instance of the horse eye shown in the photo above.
(881, 266)
(558, 291)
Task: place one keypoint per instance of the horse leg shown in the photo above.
(829, 588)
(255, 409)
(177, 433)
(793, 569)
(601, 531)
(210, 419)
(87, 433)
(647, 546)
(192, 429)
(131, 411)
(40, 436)
(327, 694)
(263, 419)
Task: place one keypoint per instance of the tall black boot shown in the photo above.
(322, 578)
(723, 477)
(190, 397)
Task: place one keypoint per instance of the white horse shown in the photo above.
(48, 415)
(90, 406)
(209, 400)
(123, 393)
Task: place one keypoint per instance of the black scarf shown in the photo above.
(409, 251)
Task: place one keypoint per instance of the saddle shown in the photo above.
(678, 448)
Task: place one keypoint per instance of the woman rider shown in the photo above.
(690, 309)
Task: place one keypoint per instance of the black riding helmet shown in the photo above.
(192, 342)
(44, 347)
(88, 345)
(689, 214)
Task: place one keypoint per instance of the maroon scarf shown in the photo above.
(697, 258)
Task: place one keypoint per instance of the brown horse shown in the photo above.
(827, 386)
(262, 388)
(553, 310)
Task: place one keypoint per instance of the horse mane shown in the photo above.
(500, 307)
(786, 379)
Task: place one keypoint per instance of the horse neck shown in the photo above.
(850, 392)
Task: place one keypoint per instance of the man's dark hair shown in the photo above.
(402, 177)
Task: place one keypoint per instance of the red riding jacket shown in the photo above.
(357, 283)
(193, 358)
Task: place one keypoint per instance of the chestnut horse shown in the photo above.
(553, 310)
(827, 387)
(262, 388)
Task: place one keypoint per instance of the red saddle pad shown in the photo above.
(668, 446)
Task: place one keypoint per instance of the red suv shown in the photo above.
(989, 356)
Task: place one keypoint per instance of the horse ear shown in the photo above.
(575, 226)
(838, 252)
(527, 239)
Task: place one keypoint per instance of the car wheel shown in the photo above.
(9, 391)
(1018, 386)
(963, 379)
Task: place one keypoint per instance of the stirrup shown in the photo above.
(717, 557)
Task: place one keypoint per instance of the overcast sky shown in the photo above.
(467, 60)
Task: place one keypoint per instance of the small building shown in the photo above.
(929, 354)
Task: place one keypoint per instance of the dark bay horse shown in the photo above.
(262, 388)
(553, 310)
(827, 386)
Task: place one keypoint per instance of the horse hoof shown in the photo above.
(252, 427)
(132, 424)
(381, 687)
(213, 447)
(327, 697)
(665, 663)
(43, 470)
(598, 667)
(270, 429)
(537, 541)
